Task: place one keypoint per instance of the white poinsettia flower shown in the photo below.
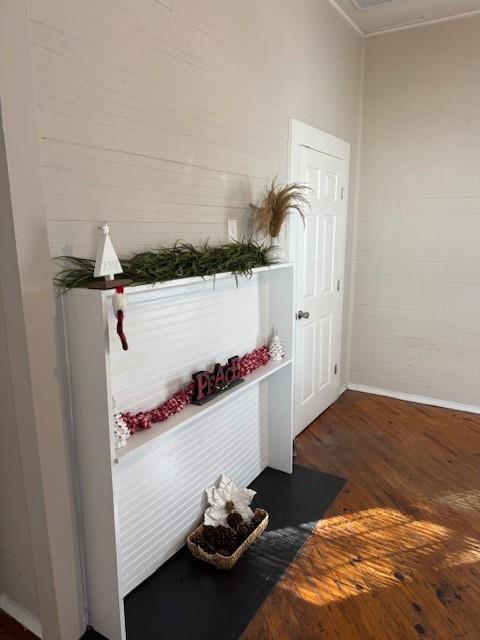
(224, 499)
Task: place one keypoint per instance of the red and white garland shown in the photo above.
(144, 420)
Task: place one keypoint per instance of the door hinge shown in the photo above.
(335, 369)
(338, 285)
(342, 193)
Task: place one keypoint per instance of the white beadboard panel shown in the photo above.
(146, 441)
(161, 498)
(162, 117)
(416, 314)
(149, 495)
(174, 332)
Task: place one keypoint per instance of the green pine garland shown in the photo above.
(183, 260)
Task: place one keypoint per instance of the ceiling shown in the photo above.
(373, 16)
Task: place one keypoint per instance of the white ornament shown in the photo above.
(227, 492)
(120, 430)
(107, 263)
(275, 348)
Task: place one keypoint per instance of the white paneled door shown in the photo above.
(320, 258)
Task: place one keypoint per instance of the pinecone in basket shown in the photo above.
(208, 535)
(234, 519)
(243, 531)
(225, 539)
(256, 520)
(208, 548)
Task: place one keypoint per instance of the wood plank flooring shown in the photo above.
(11, 630)
(397, 555)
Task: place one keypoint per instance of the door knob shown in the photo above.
(303, 314)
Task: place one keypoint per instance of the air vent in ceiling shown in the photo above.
(369, 4)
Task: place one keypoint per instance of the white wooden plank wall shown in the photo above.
(166, 117)
(160, 497)
(177, 331)
(416, 318)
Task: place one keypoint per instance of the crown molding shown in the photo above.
(421, 23)
(400, 27)
(347, 18)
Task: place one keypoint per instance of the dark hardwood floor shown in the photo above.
(11, 630)
(397, 555)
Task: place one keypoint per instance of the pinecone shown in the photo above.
(242, 532)
(225, 538)
(256, 520)
(208, 534)
(208, 548)
(234, 519)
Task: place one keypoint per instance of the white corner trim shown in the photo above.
(21, 615)
(422, 23)
(354, 218)
(346, 17)
(412, 397)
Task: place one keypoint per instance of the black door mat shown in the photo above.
(187, 599)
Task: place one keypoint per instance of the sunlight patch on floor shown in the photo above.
(352, 554)
(462, 501)
(468, 553)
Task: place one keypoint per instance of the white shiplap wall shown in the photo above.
(416, 317)
(168, 117)
(173, 332)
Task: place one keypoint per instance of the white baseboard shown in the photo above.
(412, 397)
(21, 615)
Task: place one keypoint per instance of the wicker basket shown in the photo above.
(225, 562)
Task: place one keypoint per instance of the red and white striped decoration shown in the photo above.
(119, 302)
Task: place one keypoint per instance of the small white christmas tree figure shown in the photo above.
(107, 263)
(275, 348)
(120, 430)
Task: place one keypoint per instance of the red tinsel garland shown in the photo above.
(144, 420)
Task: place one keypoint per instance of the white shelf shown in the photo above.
(174, 328)
(143, 442)
(182, 282)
